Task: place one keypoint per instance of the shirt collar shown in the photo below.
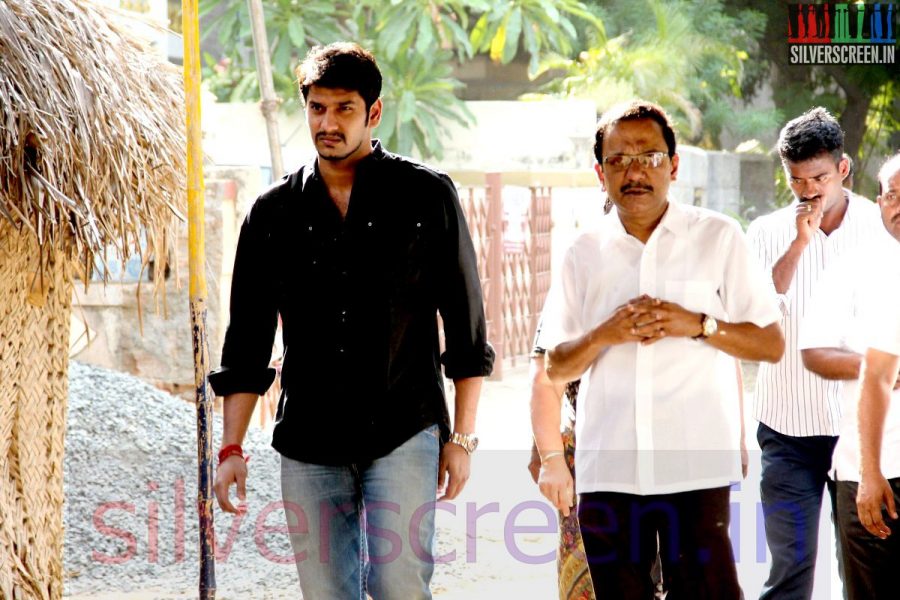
(674, 219)
(311, 168)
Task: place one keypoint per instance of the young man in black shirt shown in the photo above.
(357, 251)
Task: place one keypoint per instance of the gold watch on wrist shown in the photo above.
(708, 327)
(469, 441)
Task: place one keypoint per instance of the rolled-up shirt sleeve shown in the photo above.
(247, 350)
(460, 299)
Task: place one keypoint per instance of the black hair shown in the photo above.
(343, 65)
(631, 111)
(813, 133)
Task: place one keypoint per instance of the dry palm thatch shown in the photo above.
(91, 131)
(91, 157)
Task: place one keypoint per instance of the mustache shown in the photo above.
(639, 187)
(323, 134)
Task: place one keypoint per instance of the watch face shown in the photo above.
(710, 325)
(468, 441)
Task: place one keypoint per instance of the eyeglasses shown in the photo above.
(647, 160)
(890, 199)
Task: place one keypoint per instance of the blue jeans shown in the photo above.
(365, 528)
(794, 477)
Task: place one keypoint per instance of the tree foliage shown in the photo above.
(416, 43)
(689, 57)
(864, 97)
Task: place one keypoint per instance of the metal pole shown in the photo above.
(269, 103)
(196, 261)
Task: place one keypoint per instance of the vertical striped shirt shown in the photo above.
(789, 398)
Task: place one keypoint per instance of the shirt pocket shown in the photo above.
(695, 295)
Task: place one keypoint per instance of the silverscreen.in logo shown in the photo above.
(857, 33)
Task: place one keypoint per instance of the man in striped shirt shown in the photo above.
(799, 411)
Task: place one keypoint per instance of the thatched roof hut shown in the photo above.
(91, 158)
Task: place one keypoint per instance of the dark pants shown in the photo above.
(620, 540)
(794, 476)
(869, 563)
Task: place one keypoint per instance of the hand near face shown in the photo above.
(809, 216)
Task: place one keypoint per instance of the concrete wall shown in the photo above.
(158, 346)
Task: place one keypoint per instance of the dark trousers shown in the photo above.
(620, 533)
(794, 477)
(869, 564)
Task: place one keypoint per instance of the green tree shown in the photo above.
(416, 43)
(689, 57)
(864, 97)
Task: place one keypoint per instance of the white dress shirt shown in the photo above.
(855, 307)
(790, 399)
(660, 418)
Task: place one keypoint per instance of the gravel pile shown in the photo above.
(130, 488)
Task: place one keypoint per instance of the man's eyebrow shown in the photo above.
(822, 174)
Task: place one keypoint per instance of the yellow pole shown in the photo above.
(196, 260)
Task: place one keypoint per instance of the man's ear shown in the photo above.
(674, 174)
(375, 113)
(599, 171)
(843, 168)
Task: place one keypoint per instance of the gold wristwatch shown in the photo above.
(469, 441)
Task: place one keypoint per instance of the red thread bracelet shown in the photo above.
(232, 450)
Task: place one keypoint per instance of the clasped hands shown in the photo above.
(647, 320)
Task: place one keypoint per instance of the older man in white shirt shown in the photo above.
(855, 310)
(649, 311)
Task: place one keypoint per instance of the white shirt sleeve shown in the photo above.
(748, 293)
(762, 248)
(560, 319)
(830, 310)
(883, 313)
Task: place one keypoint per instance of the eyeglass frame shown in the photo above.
(645, 160)
(890, 199)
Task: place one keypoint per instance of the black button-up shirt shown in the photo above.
(358, 298)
